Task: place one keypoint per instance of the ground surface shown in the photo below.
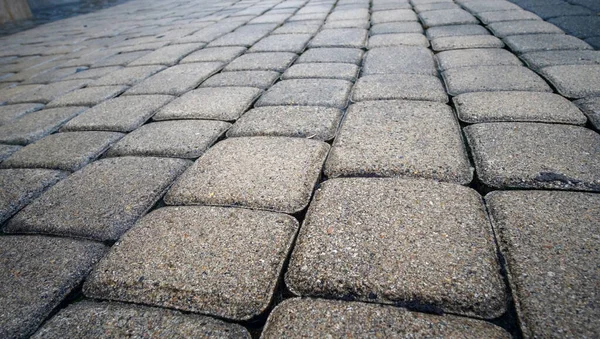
(386, 168)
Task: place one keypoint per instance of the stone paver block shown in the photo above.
(313, 122)
(583, 26)
(549, 240)
(271, 173)
(493, 78)
(307, 92)
(398, 39)
(175, 257)
(67, 151)
(9, 113)
(393, 16)
(300, 27)
(399, 86)
(533, 155)
(363, 23)
(396, 27)
(435, 6)
(399, 60)
(215, 103)
(121, 59)
(365, 238)
(574, 81)
(343, 37)
(122, 114)
(216, 54)
(9, 93)
(127, 76)
(176, 80)
(455, 30)
(21, 186)
(447, 17)
(282, 43)
(400, 138)
(476, 57)
(466, 42)
(239, 38)
(47, 93)
(321, 70)
(168, 55)
(516, 106)
(93, 73)
(510, 15)
(7, 150)
(179, 139)
(332, 55)
(101, 201)
(259, 79)
(37, 274)
(508, 28)
(539, 60)
(334, 319)
(88, 319)
(544, 42)
(591, 108)
(89, 96)
(276, 61)
(36, 125)
(488, 6)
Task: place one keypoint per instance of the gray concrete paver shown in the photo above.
(88, 96)
(307, 92)
(399, 86)
(574, 81)
(591, 108)
(9, 113)
(321, 70)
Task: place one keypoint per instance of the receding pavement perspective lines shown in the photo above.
(303, 169)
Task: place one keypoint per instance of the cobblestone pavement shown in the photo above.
(302, 168)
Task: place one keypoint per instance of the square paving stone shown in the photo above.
(36, 125)
(393, 16)
(533, 155)
(550, 240)
(476, 57)
(215, 103)
(516, 106)
(307, 92)
(466, 42)
(93, 73)
(7, 150)
(591, 108)
(544, 42)
(216, 54)
(362, 23)
(127, 76)
(37, 274)
(488, 6)
(176, 80)
(396, 27)
(455, 30)
(508, 28)
(539, 60)
(89, 96)
(9, 113)
(343, 37)
(581, 26)
(282, 43)
(121, 59)
(47, 93)
(168, 55)
(399, 60)
(322, 71)
(271, 173)
(122, 114)
(403, 242)
(399, 86)
(67, 151)
(447, 17)
(574, 81)
(239, 38)
(175, 257)
(314, 122)
(398, 39)
(400, 138)
(258, 79)
(333, 319)
(276, 61)
(101, 201)
(332, 55)
(21, 186)
(436, 6)
(510, 15)
(493, 78)
(178, 139)
(88, 319)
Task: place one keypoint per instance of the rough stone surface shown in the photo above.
(544, 42)
(47, 93)
(9, 93)
(271, 173)
(88, 96)
(584, 26)
(37, 274)
(398, 39)
(89, 319)
(178, 139)
(67, 151)
(36, 125)
(511, 15)
(591, 108)
(400, 138)
(330, 55)
(455, 30)
(526, 155)
(476, 57)
(549, 240)
(396, 27)
(282, 43)
(176, 80)
(168, 55)
(321, 70)
(216, 54)
(127, 76)
(493, 78)
(345, 37)
(175, 257)
(466, 42)
(258, 79)
(574, 81)
(365, 238)
(447, 17)
(335, 319)
(216, 103)
(393, 15)
(101, 201)
(313, 122)
(516, 106)
(399, 60)
(508, 28)
(9, 113)
(21, 186)
(307, 92)
(275, 61)
(7, 150)
(122, 114)
(399, 86)
(539, 60)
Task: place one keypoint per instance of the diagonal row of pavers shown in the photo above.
(256, 94)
